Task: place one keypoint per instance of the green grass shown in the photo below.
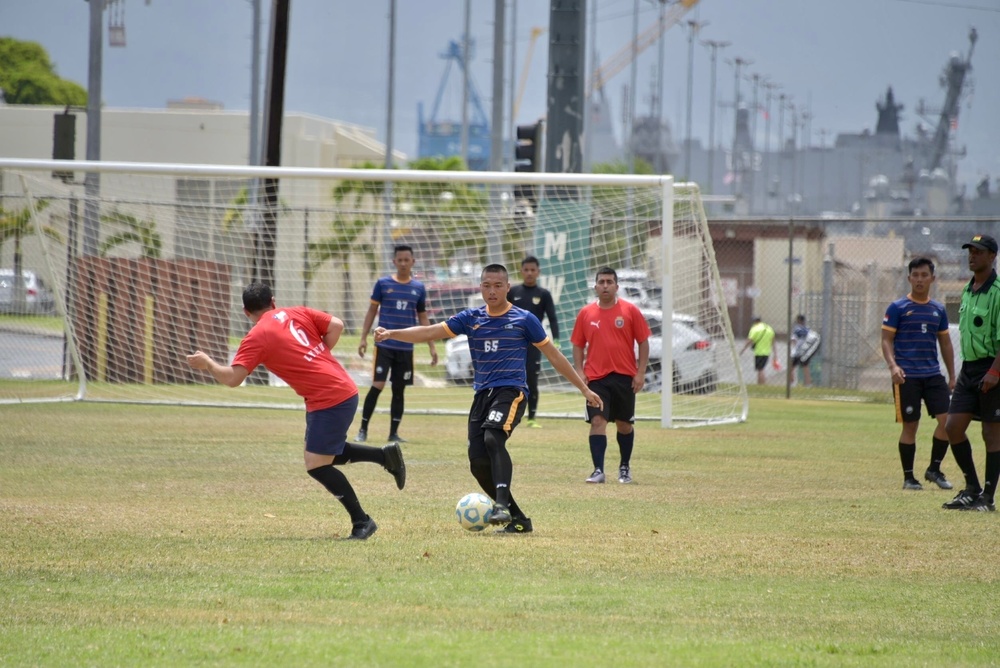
(176, 536)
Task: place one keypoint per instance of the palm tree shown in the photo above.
(16, 225)
(142, 232)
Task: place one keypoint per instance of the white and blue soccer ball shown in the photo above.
(473, 511)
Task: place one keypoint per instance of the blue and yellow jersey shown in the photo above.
(916, 326)
(399, 304)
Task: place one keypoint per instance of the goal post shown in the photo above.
(130, 280)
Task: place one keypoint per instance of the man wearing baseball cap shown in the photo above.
(976, 395)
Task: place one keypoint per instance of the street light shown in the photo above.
(738, 63)
(770, 87)
(714, 45)
(693, 28)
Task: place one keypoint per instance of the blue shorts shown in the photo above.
(326, 429)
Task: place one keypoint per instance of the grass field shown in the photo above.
(183, 536)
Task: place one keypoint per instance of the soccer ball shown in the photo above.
(473, 511)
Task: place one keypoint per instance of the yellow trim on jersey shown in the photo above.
(497, 315)
(513, 412)
(542, 342)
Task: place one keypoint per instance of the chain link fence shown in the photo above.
(841, 274)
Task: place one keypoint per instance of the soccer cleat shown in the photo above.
(937, 478)
(624, 475)
(962, 501)
(394, 463)
(912, 484)
(363, 530)
(596, 477)
(982, 505)
(396, 438)
(521, 525)
(532, 423)
(500, 514)
(362, 436)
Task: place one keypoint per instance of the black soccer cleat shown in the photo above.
(937, 478)
(394, 463)
(396, 438)
(521, 525)
(363, 530)
(500, 514)
(963, 500)
(982, 505)
(912, 484)
(362, 436)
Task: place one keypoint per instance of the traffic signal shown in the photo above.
(528, 158)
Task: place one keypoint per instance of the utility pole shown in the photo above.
(465, 84)
(494, 245)
(770, 87)
(630, 118)
(92, 180)
(512, 125)
(737, 163)
(753, 144)
(714, 46)
(693, 28)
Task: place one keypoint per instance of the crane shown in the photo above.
(953, 79)
(620, 60)
(536, 32)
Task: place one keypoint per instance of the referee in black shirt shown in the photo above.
(976, 395)
(538, 301)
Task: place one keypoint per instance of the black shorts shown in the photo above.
(326, 429)
(760, 362)
(933, 391)
(399, 362)
(967, 396)
(496, 408)
(615, 390)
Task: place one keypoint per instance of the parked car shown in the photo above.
(693, 352)
(38, 299)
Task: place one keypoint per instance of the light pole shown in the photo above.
(738, 64)
(693, 28)
(770, 87)
(781, 145)
(714, 45)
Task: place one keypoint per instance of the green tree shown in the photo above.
(15, 226)
(141, 232)
(27, 76)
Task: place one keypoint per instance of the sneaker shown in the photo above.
(521, 525)
(596, 477)
(394, 463)
(500, 514)
(396, 438)
(962, 501)
(912, 484)
(937, 478)
(362, 436)
(533, 424)
(363, 530)
(624, 475)
(982, 505)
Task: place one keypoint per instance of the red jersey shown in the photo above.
(289, 342)
(609, 336)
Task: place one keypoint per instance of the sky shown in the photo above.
(833, 57)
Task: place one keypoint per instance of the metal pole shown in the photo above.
(494, 245)
(629, 153)
(661, 156)
(512, 124)
(254, 157)
(92, 180)
(714, 45)
(588, 119)
(788, 309)
(389, 115)
(693, 28)
(826, 325)
(753, 143)
(465, 85)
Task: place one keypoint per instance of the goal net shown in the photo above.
(127, 268)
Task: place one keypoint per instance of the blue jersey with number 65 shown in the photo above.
(498, 344)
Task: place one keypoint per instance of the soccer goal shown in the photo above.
(140, 264)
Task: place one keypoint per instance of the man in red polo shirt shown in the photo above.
(295, 343)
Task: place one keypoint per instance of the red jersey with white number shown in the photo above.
(609, 336)
(289, 342)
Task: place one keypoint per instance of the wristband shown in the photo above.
(993, 372)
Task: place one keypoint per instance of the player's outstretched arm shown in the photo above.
(563, 366)
(225, 374)
(418, 334)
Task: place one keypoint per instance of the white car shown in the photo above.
(694, 357)
(38, 299)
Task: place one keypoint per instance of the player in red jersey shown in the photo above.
(296, 343)
(608, 331)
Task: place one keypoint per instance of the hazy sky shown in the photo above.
(836, 56)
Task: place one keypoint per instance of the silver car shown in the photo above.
(37, 298)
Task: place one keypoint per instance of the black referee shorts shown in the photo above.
(968, 396)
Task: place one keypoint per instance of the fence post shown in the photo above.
(826, 326)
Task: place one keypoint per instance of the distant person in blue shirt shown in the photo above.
(499, 335)
(913, 329)
(398, 301)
